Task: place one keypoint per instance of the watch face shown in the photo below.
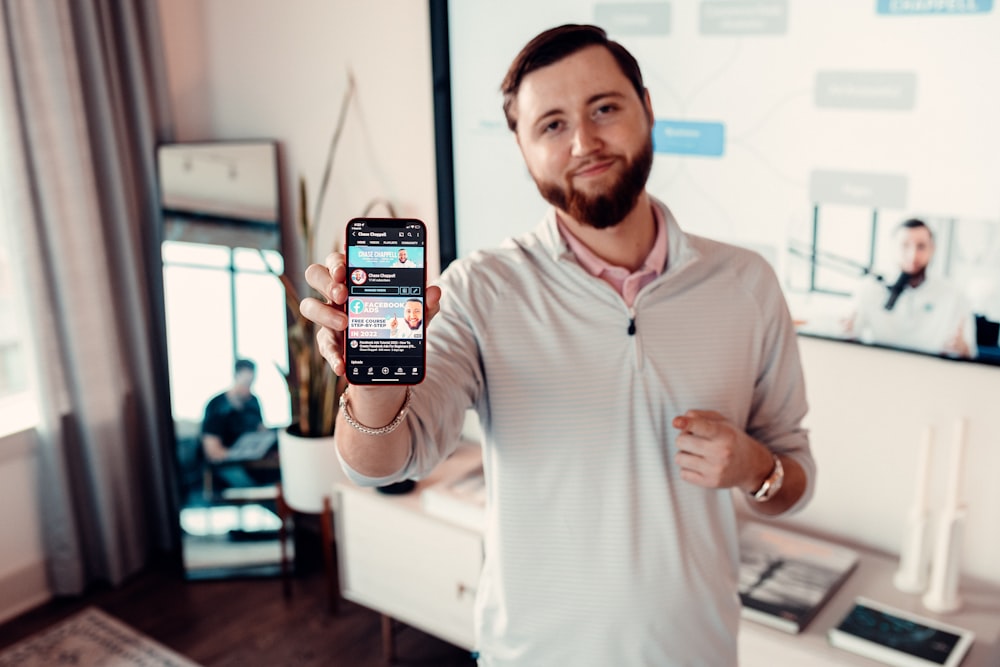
(773, 482)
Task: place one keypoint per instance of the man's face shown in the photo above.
(402, 255)
(243, 382)
(413, 313)
(916, 248)
(585, 136)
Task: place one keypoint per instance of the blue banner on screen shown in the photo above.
(682, 137)
(934, 6)
(386, 256)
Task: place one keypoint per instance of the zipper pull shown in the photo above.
(631, 326)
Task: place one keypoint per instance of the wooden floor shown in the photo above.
(246, 623)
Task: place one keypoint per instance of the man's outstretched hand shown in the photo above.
(330, 280)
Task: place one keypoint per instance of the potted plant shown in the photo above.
(307, 456)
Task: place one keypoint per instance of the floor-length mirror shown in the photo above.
(227, 346)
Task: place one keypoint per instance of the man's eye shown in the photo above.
(552, 127)
(605, 109)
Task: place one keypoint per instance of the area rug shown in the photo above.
(91, 638)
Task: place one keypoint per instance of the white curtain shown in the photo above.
(82, 107)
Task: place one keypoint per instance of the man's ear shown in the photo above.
(648, 102)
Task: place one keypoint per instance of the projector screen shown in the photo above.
(804, 131)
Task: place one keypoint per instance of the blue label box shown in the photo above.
(681, 137)
(903, 7)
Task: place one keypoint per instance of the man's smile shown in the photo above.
(594, 169)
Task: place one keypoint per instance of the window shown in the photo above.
(223, 304)
(13, 374)
(17, 409)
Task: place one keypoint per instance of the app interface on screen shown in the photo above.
(385, 307)
(904, 635)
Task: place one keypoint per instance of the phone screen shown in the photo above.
(901, 634)
(386, 281)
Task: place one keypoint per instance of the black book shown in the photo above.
(786, 578)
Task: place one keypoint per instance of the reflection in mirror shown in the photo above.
(928, 284)
(226, 339)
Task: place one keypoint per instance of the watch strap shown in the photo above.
(772, 484)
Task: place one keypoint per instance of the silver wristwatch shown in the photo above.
(770, 487)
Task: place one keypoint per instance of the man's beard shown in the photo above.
(609, 208)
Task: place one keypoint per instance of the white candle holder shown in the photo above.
(914, 557)
(942, 593)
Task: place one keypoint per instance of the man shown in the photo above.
(916, 311)
(412, 324)
(229, 415)
(402, 262)
(612, 452)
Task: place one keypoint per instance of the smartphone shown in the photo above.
(386, 283)
(901, 638)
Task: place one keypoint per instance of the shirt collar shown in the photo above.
(655, 260)
(679, 252)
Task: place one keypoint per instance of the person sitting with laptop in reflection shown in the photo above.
(228, 416)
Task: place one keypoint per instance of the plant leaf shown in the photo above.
(338, 131)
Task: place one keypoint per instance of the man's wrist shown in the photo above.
(762, 469)
(771, 485)
(375, 405)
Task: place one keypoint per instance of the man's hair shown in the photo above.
(552, 46)
(415, 301)
(915, 223)
(245, 365)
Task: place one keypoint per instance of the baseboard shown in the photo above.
(23, 589)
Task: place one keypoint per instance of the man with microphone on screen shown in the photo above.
(916, 311)
(616, 454)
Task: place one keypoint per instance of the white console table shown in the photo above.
(423, 571)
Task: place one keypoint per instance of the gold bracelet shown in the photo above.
(368, 430)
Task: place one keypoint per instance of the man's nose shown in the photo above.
(585, 139)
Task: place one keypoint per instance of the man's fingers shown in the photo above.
(337, 266)
(432, 302)
(329, 279)
(323, 314)
(328, 344)
(690, 466)
(701, 423)
(326, 283)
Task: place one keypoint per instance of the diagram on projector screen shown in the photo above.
(808, 132)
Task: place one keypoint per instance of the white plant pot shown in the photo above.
(309, 470)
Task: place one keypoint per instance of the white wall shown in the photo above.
(868, 410)
(259, 68)
(265, 69)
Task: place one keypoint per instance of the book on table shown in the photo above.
(461, 499)
(786, 577)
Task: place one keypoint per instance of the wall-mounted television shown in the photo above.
(809, 132)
